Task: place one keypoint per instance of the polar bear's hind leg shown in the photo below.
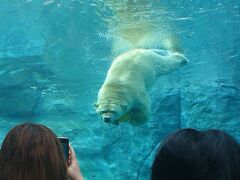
(167, 61)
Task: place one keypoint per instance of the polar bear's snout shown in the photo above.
(110, 112)
(107, 117)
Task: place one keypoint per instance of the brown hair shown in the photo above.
(32, 151)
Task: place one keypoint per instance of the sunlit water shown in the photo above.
(54, 56)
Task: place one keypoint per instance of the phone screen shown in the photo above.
(65, 146)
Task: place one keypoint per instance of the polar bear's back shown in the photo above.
(143, 66)
(135, 66)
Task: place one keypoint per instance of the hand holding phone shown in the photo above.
(74, 171)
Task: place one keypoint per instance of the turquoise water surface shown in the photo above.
(54, 56)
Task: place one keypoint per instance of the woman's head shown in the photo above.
(193, 155)
(32, 151)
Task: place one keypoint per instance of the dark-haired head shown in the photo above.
(193, 155)
(32, 152)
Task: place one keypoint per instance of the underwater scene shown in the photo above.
(176, 65)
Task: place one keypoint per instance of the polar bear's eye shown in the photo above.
(102, 112)
(112, 112)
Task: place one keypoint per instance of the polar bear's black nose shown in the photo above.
(107, 119)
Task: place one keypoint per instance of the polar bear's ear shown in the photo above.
(95, 105)
(124, 107)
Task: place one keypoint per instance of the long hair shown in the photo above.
(32, 152)
(193, 155)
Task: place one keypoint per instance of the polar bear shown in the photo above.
(124, 93)
(143, 48)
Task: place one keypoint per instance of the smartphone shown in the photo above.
(65, 147)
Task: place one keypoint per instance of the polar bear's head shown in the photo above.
(110, 112)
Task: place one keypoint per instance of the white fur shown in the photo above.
(131, 75)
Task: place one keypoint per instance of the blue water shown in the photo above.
(54, 55)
